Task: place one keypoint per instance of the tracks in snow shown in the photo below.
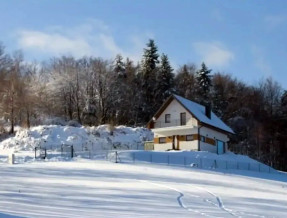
(219, 203)
(218, 199)
(179, 198)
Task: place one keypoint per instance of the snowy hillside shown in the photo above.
(93, 138)
(96, 139)
(85, 188)
(140, 184)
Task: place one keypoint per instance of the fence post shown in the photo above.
(116, 157)
(11, 158)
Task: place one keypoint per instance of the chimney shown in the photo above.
(208, 110)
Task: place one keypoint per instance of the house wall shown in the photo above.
(163, 147)
(213, 134)
(208, 147)
(174, 109)
(183, 145)
(188, 145)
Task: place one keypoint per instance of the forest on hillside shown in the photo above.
(93, 91)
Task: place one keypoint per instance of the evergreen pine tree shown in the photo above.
(164, 81)
(148, 78)
(150, 58)
(119, 66)
(119, 90)
(204, 83)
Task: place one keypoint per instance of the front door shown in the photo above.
(220, 147)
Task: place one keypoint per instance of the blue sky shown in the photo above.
(247, 39)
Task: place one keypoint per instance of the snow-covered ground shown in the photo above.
(89, 188)
(143, 184)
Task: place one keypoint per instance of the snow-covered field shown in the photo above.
(89, 188)
(144, 184)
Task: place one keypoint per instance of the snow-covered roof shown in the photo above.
(199, 112)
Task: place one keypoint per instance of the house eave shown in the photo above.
(174, 128)
(216, 128)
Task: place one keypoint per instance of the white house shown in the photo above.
(181, 124)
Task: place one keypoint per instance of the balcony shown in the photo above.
(172, 123)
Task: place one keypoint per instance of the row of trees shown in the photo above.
(95, 91)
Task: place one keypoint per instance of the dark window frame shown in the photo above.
(183, 121)
(186, 138)
(202, 138)
(162, 138)
(166, 118)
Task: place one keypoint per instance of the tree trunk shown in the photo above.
(28, 118)
(12, 117)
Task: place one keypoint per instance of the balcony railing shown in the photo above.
(162, 124)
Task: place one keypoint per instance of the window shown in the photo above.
(202, 138)
(189, 137)
(167, 118)
(182, 119)
(162, 140)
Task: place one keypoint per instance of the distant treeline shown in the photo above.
(95, 91)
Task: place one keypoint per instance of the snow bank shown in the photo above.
(91, 138)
